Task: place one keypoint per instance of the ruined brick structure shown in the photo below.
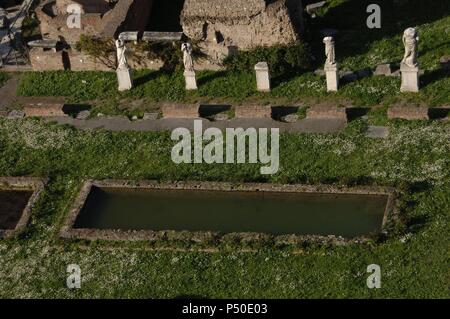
(219, 27)
(222, 27)
(100, 18)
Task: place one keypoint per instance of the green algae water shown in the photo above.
(344, 215)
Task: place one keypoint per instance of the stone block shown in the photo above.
(191, 82)
(262, 77)
(327, 112)
(185, 111)
(408, 113)
(253, 111)
(124, 79)
(332, 74)
(410, 78)
(45, 110)
(383, 69)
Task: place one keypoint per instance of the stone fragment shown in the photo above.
(290, 118)
(83, 115)
(15, 114)
(151, 116)
(377, 131)
(383, 69)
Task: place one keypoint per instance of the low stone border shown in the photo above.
(69, 232)
(181, 111)
(325, 112)
(22, 183)
(253, 111)
(408, 113)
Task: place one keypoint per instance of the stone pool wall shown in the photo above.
(69, 232)
(22, 183)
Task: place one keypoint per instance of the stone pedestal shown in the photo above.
(332, 74)
(124, 79)
(410, 78)
(191, 82)
(262, 77)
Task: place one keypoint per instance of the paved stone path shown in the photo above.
(122, 123)
(8, 94)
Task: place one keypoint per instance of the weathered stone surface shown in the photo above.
(83, 115)
(408, 113)
(45, 110)
(290, 118)
(221, 27)
(174, 110)
(410, 78)
(262, 77)
(348, 76)
(326, 112)
(445, 61)
(377, 131)
(220, 117)
(313, 7)
(124, 79)
(383, 69)
(151, 116)
(253, 111)
(15, 114)
(332, 74)
(191, 81)
(98, 18)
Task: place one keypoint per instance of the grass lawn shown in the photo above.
(414, 258)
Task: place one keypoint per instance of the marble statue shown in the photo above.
(121, 54)
(123, 70)
(329, 51)
(410, 41)
(186, 48)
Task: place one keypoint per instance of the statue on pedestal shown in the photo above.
(122, 62)
(410, 41)
(329, 51)
(186, 48)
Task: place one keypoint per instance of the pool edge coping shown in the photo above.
(68, 231)
(34, 184)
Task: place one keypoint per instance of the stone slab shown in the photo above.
(173, 110)
(124, 79)
(332, 74)
(327, 112)
(377, 131)
(410, 79)
(191, 81)
(253, 111)
(45, 110)
(408, 113)
(262, 77)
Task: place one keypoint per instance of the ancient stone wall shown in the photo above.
(224, 26)
(97, 18)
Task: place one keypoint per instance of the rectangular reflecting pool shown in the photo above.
(200, 210)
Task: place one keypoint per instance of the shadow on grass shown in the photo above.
(355, 38)
(142, 79)
(354, 113)
(433, 76)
